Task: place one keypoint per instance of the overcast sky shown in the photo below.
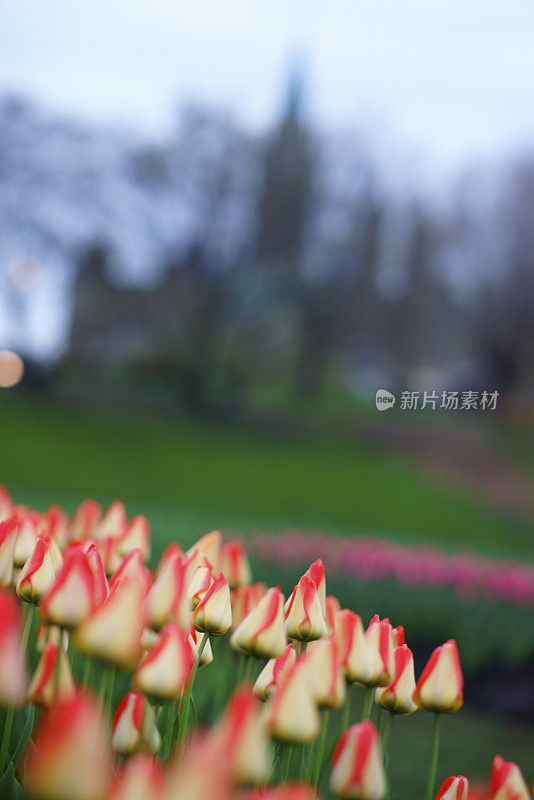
(451, 78)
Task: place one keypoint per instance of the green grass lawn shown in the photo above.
(193, 475)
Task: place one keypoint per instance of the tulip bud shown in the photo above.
(173, 549)
(304, 617)
(13, 676)
(199, 585)
(8, 538)
(132, 567)
(351, 641)
(167, 600)
(273, 672)
(244, 598)
(70, 759)
(51, 633)
(141, 777)
(332, 610)
(207, 653)
(165, 670)
(241, 740)
(325, 675)
(109, 552)
(291, 713)
(376, 662)
(37, 574)
(440, 686)
(134, 726)
(85, 520)
(397, 697)
(261, 633)
(201, 774)
(52, 681)
(57, 523)
(214, 612)
(357, 771)
(70, 599)
(397, 636)
(506, 781)
(113, 631)
(149, 638)
(100, 584)
(210, 546)
(454, 788)
(136, 537)
(26, 539)
(234, 564)
(316, 573)
(285, 791)
(55, 553)
(114, 521)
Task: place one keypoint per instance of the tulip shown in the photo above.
(100, 584)
(8, 538)
(149, 639)
(55, 553)
(193, 562)
(357, 771)
(201, 774)
(454, 788)
(52, 681)
(316, 573)
(199, 585)
(51, 633)
(167, 600)
(286, 791)
(85, 520)
(206, 656)
(26, 539)
(132, 566)
(244, 598)
(291, 713)
(13, 676)
(376, 668)
(397, 636)
(351, 641)
(210, 546)
(108, 547)
(37, 574)
(70, 759)
(136, 537)
(261, 633)
(241, 738)
(325, 674)
(234, 564)
(273, 672)
(304, 617)
(57, 524)
(165, 670)
(213, 614)
(398, 696)
(134, 726)
(172, 549)
(113, 631)
(332, 610)
(506, 781)
(440, 686)
(139, 778)
(70, 599)
(114, 521)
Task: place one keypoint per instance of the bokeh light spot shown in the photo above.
(11, 369)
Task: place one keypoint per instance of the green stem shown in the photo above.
(182, 727)
(6, 738)
(368, 702)
(347, 708)
(30, 611)
(86, 673)
(249, 669)
(387, 731)
(379, 719)
(320, 751)
(102, 687)
(286, 764)
(433, 759)
(111, 686)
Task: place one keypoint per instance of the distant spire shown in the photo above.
(296, 87)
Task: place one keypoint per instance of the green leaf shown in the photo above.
(26, 733)
(10, 788)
